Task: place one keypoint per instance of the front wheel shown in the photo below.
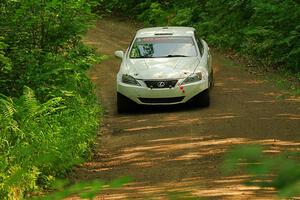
(203, 99)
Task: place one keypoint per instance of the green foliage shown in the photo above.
(5, 63)
(90, 190)
(281, 172)
(32, 29)
(154, 15)
(21, 129)
(45, 24)
(49, 126)
(40, 141)
(183, 17)
(266, 31)
(85, 190)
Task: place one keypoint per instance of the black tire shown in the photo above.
(124, 104)
(202, 99)
(212, 80)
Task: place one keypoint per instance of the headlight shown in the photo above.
(193, 78)
(129, 80)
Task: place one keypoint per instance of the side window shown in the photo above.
(135, 52)
(199, 43)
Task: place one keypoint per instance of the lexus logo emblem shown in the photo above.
(161, 84)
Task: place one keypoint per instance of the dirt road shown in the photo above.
(180, 148)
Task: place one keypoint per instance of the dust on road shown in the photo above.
(179, 148)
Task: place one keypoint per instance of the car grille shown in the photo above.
(159, 84)
(161, 100)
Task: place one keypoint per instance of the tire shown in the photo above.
(124, 104)
(212, 80)
(203, 99)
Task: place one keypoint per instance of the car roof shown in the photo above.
(166, 31)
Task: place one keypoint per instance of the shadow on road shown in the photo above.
(143, 109)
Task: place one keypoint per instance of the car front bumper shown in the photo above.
(166, 96)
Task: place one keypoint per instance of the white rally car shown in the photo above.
(164, 66)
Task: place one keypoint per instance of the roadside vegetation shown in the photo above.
(265, 32)
(48, 109)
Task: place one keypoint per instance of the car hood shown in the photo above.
(162, 68)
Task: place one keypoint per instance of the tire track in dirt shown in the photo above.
(179, 148)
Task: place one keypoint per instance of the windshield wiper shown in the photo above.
(141, 57)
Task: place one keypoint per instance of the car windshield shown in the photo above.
(163, 47)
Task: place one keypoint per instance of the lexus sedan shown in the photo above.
(164, 66)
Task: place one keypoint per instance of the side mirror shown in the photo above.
(119, 54)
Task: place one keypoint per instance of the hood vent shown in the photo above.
(163, 34)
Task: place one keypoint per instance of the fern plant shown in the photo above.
(24, 128)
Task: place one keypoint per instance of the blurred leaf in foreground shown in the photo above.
(279, 171)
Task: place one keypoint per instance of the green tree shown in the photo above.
(32, 29)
